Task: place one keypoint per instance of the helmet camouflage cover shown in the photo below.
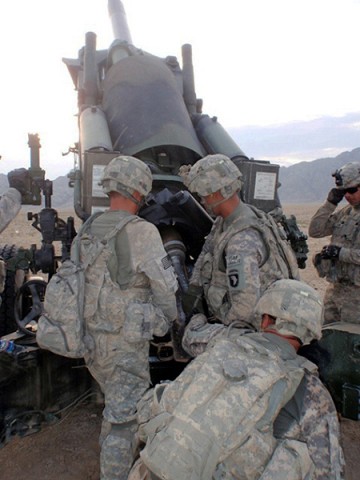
(297, 307)
(211, 174)
(125, 175)
(348, 175)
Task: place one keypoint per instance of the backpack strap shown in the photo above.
(103, 242)
(119, 226)
(90, 259)
(75, 253)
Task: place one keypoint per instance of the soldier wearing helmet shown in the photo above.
(140, 303)
(293, 309)
(292, 312)
(244, 252)
(295, 432)
(339, 261)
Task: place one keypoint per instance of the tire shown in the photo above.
(7, 318)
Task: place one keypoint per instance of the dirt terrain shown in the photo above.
(68, 450)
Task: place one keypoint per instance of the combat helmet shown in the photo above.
(297, 307)
(214, 173)
(125, 175)
(348, 175)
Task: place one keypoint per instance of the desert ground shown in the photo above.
(68, 450)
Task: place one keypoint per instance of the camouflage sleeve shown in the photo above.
(10, 204)
(320, 430)
(154, 262)
(290, 459)
(245, 253)
(207, 247)
(322, 222)
(350, 255)
(198, 333)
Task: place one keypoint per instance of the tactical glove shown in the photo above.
(20, 179)
(192, 300)
(335, 195)
(330, 252)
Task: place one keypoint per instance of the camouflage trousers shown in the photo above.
(123, 381)
(342, 303)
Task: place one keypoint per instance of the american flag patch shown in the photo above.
(166, 261)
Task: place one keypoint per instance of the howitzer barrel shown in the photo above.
(90, 70)
(188, 75)
(215, 138)
(118, 20)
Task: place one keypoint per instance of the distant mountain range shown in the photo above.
(293, 142)
(304, 182)
(310, 181)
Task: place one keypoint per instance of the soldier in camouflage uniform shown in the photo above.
(125, 323)
(276, 438)
(310, 416)
(244, 252)
(339, 262)
(10, 204)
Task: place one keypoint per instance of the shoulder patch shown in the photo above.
(233, 277)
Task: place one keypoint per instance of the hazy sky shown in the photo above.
(257, 62)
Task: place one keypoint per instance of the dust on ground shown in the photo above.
(68, 450)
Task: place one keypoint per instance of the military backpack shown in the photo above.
(62, 327)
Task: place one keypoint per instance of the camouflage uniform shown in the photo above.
(342, 297)
(244, 252)
(10, 205)
(126, 318)
(310, 417)
(306, 431)
(145, 276)
(294, 435)
(242, 255)
(201, 408)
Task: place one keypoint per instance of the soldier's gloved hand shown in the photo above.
(335, 195)
(330, 252)
(20, 179)
(192, 300)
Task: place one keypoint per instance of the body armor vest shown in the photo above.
(280, 262)
(346, 233)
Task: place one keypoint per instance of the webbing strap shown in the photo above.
(86, 227)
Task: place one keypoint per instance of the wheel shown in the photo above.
(29, 305)
(7, 317)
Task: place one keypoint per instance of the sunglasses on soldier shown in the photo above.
(351, 190)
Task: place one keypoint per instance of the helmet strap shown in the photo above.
(210, 206)
(127, 194)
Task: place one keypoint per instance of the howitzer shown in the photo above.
(135, 103)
